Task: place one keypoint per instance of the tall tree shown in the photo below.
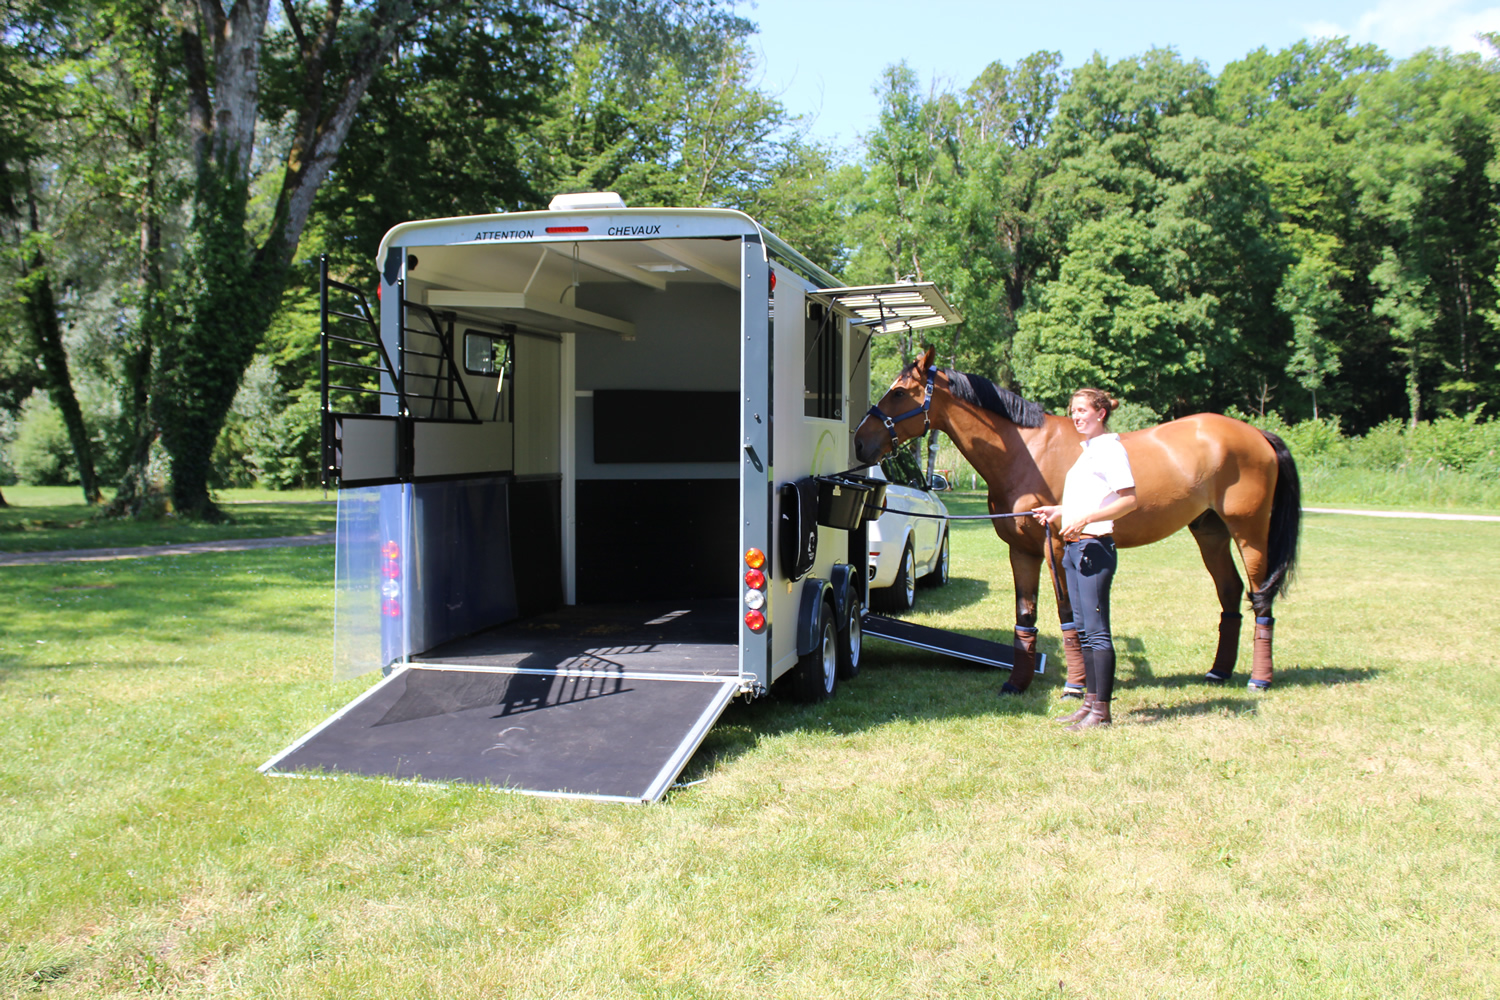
(30, 98)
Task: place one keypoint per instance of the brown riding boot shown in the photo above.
(1260, 654)
(1099, 716)
(1089, 700)
(1073, 655)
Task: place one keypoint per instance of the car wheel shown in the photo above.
(851, 637)
(817, 671)
(902, 593)
(939, 574)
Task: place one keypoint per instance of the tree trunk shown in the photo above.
(236, 287)
(40, 307)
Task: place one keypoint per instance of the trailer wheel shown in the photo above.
(901, 595)
(818, 672)
(939, 574)
(851, 637)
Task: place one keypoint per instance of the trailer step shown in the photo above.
(936, 640)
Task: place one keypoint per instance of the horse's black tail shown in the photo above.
(1286, 522)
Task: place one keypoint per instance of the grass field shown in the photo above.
(917, 837)
(48, 518)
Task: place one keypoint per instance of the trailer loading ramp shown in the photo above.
(601, 703)
(936, 640)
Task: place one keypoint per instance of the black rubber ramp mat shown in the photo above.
(936, 640)
(599, 735)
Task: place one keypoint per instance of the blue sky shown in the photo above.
(823, 57)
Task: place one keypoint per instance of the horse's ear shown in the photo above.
(929, 358)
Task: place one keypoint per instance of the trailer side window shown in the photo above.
(823, 365)
(486, 353)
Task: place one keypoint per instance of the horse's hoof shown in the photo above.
(1213, 678)
(1072, 691)
(1009, 688)
(1256, 685)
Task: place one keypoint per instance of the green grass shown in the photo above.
(49, 518)
(916, 837)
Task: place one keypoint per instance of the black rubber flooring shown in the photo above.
(673, 637)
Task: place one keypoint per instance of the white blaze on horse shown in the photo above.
(1230, 484)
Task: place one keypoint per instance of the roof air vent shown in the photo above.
(585, 200)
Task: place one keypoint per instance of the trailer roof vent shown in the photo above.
(585, 200)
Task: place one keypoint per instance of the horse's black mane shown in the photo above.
(980, 391)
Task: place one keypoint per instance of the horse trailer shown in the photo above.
(592, 485)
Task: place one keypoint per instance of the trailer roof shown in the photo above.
(598, 226)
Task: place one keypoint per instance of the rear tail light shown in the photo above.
(755, 590)
(390, 590)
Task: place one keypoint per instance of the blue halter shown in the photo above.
(891, 422)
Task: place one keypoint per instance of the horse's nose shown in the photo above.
(865, 452)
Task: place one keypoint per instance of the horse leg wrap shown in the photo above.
(1228, 653)
(1023, 661)
(1260, 663)
(1073, 654)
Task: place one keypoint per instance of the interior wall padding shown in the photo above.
(646, 425)
(536, 545)
(657, 538)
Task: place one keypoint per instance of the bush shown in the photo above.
(268, 439)
(42, 454)
(1462, 444)
(1383, 448)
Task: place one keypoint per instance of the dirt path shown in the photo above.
(146, 551)
(326, 538)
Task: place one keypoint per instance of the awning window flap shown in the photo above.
(893, 308)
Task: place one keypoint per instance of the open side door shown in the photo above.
(893, 308)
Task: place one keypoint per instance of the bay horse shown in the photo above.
(1227, 482)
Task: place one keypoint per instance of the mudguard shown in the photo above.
(809, 607)
(845, 589)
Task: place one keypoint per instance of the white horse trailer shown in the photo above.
(580, 512)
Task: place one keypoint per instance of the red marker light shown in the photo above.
(567, 229)
(391, 609)
(773, 279)
(755, 621)
(755, 579)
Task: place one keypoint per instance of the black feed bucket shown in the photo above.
(841, 502)
(874, 499)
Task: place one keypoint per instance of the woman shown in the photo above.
(1099, 488)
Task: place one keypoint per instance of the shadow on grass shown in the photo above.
(1139, 675)
(169, 600)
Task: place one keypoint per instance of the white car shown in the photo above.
(905, 548)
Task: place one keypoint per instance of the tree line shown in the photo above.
(1311, 233)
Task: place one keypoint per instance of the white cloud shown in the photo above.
(1402, 27)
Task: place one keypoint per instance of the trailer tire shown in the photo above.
(901, 595)
(851, 637)
(817, 673)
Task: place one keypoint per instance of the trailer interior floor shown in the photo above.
(698, 638)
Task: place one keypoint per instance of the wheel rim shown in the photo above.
(943, 562)
(830, 656)
(909, 585)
